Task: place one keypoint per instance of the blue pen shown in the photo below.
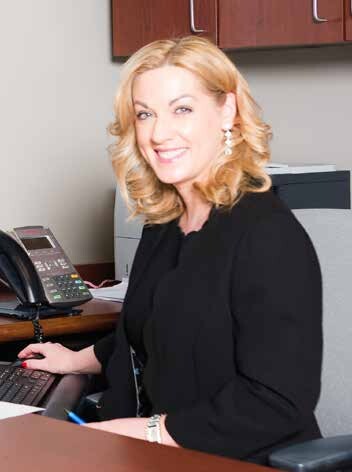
(76, 419)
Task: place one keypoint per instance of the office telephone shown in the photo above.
(34, 265)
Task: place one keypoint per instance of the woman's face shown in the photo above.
(178, 124)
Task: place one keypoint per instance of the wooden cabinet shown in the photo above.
(257, 23)
(348, 20)
(138, 22)
(232, 24)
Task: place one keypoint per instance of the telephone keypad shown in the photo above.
(51, 264)
(66, 286)
(71, 286)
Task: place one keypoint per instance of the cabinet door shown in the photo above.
(253, 23)
(138, 22)
(348, 19)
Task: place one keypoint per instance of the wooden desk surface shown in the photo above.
(97, 315)
(33, 443)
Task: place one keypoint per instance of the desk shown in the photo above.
(97, 315)
(33, 443)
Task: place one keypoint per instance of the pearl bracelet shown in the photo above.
(152, 430)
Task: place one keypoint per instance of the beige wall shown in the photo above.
(306, 96)
(57, 82)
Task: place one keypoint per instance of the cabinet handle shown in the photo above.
(191, 10)
(315, 13)
(351, 8)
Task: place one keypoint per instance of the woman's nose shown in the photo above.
(162, 130)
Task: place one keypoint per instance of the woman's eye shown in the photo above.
(143, 115)
(181, 110)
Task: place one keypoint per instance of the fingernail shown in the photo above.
(24, 364)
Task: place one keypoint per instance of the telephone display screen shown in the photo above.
(36, 243)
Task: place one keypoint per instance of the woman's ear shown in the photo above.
(229, 111)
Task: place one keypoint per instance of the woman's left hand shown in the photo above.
(133, 428)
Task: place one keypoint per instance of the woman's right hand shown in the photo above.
(57, 358)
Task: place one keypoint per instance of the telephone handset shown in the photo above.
(34, 265)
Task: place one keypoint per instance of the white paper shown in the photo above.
(277, 168)
(115, 293)
(306, 168)
(8, 410)
(276, 165)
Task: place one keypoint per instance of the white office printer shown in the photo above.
(126, 237)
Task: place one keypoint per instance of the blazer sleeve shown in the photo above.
(276, 305)
(104, 348)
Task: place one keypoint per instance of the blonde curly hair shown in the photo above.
(231, 175)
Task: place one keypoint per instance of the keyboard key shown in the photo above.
(4, 388)
(11, 393)
(24, 386)
(21, 395)
(36, 374)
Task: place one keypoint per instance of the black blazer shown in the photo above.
(234, 341)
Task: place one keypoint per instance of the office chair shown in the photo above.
(331, 233)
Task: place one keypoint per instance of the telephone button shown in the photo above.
(74, 276)
(57, 297)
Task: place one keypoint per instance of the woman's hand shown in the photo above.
(133, 428)
(57, 358)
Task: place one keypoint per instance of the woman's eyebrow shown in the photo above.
(137, 102)
(186, 95)
(144, 105)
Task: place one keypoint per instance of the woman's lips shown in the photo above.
(167, 156)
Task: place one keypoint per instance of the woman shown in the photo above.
(222, 317)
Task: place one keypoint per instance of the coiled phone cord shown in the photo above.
(37, 327)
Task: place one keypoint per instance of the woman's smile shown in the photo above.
(170, 155)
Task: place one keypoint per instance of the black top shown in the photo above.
(231, 331)
(166, 261)
(141, 307)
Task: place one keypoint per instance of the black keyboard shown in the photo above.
(24, 386)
